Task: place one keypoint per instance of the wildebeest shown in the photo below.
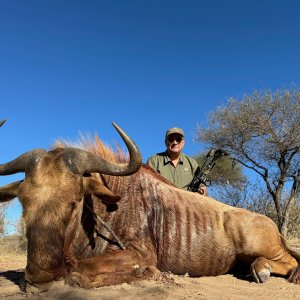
(95, 222)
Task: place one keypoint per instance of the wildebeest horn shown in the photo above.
(2, 122)
(23, 163)
(81, 161)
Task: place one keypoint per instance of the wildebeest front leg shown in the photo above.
(111, 268)
(141, 273)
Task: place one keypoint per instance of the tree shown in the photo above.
(21, 233)
(2, 220)
(225, 171)
(262, 132)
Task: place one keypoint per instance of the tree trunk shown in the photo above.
(283, 227)
(286, 214)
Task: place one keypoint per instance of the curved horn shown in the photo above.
(81, 161)
(2, 122)
(23, 163)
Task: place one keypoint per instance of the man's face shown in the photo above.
(175, 143)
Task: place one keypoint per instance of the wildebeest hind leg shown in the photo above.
(262, 268)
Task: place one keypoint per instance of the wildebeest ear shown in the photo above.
(98, 189)
(106, 195)
(9, 191)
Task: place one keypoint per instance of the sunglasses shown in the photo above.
(177, 139)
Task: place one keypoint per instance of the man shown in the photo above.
(173, 164)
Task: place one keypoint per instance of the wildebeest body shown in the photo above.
(162, 228)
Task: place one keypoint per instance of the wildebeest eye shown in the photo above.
(73, 205)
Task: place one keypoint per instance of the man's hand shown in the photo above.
(203, 190)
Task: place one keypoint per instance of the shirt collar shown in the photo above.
(168, 160)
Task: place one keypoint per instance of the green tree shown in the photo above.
(262, 132)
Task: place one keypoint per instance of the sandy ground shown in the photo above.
(169, 286)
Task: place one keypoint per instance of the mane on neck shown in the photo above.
(95, 146)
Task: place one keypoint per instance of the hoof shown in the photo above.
(264, 275)
(77, 280)
(138, 271)
(148, 272)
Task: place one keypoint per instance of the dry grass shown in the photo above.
(10, 249)
(294, 244)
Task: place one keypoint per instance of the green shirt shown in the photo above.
(181, 175)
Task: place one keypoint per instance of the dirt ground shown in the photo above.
(169, 286)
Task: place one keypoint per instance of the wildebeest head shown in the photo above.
(51, 195)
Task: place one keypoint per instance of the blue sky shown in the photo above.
(75, 66)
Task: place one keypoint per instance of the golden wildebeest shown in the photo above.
(96, 221)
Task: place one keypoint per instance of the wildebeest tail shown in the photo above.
(294, 275)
